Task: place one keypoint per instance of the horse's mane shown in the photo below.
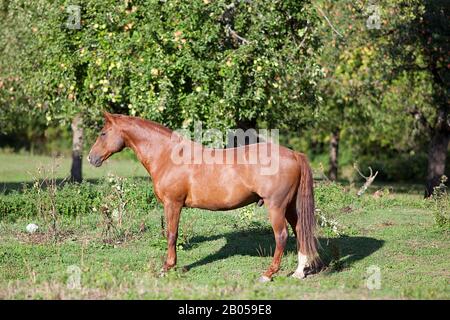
(158, 127)
(152, 125)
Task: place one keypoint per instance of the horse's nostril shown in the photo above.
(94, 160)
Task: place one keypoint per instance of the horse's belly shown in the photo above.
(220, 204)
(220, 196)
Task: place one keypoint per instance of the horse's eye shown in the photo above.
(103, 133)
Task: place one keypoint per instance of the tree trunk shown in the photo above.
(437, 156)
(77, 149)
(437, 153)
(334, 155)
(250, 138)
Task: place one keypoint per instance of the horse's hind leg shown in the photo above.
(292, 217)
(277, 218)
(172, 212)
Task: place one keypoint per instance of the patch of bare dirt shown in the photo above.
(347, 209)
(43, 237)
(387, 224)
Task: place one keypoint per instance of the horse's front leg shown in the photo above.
(172, 212)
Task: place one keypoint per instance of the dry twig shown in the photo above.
(368, 179)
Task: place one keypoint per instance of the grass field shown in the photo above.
(221, 254)
(18, 168)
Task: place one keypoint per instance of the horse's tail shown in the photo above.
(306, 222)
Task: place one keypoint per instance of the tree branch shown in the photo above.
(304, 37)
(329, 23)
(235, 35)
(227, 19)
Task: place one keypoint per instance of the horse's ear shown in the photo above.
(108, 116)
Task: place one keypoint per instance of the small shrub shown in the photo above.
(72, 200)
(441, 205)
(122, 200)
(330, 226)
(247, 215)
(183, 241)
(15, 205)
(331, 197)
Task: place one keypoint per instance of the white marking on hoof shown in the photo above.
(302, 262)
(162, 273)
(298, 275)
(264, 279)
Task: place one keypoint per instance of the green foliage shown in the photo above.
(332, 197)
(403, 167)
(173, 62)
(385, 89)
(247, 215)
(16, 205)
(160, 243)
(348, 88)
(77, 200)
(269, 63)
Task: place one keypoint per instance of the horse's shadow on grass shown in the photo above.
(335, 253)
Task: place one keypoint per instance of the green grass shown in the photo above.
(17, 169)
(221, 255)
(23, 167)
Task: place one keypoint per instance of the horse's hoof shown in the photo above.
(162, 273)
(298, 275)
(264, 279)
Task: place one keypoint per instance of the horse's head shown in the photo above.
(109, 142)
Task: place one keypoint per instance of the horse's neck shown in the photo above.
(148, 144)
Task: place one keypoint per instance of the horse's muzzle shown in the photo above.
(95, 161)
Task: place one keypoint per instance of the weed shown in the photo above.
(247, 215)
(330, 226)
(46, 190)
(441, 205)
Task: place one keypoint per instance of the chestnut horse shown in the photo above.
(288, 194)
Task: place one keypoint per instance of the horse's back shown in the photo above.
(225, 185)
